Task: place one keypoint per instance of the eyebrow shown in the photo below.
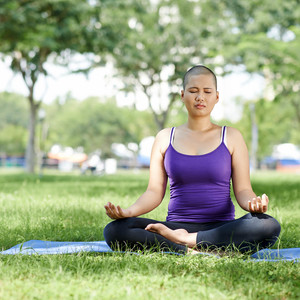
(194, 87)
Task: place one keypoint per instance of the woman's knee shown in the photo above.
(114, 231)
(272, 227)
(268, 230)
(262, 227)
(266, 223)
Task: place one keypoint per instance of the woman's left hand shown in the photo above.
(259, 205)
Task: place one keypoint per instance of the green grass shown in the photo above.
(70, 208)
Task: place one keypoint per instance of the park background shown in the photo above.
(135, 54)
(138, 50)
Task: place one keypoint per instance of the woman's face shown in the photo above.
(200, 95)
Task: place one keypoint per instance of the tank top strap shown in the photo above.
(172, 135)
(223, 140)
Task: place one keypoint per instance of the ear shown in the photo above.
(217, 97)
(182, 95)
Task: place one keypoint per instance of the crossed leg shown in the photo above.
(245, 233)
(178, 236)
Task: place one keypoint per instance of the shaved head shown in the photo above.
(198, 70)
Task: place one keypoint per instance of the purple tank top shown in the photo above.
(199, 185)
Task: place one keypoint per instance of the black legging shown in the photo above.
(248, 233)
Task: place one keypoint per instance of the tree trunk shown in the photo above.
(161, 118)
(30, 149)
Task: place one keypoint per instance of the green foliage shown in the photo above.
(13, 124)
(177, 115)
(13, 140)
(256, 16)
(38, 28)
(13, 110)
(151, 44)
(33, 32)
(93, 124)
(160, 40)
(273, 121)
(267, 42)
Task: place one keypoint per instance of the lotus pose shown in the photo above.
(199, 159)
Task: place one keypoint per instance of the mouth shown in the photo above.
(200, 106)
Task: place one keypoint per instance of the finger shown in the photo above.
(251, 207)
(254, 205)
(106, 208)
(265, 202)
(119, 211)
(111, 211)
(259, 205)
(265, 208)
(265, 199)
(108, 213)
(107, 205)
(115, 212)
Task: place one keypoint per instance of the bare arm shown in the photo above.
(242, 188)
(156, 189)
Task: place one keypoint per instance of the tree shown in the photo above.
(13, 110)
(34, 32)
(160, 40)
(13, 123)
(268, 42)
(94, 124)
(12, 140)
(266, 114)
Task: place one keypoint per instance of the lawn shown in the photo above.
(70, 208)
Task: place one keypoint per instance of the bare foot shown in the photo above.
(192, 251)
(178, 236)
(217, 254)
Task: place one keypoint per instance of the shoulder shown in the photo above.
(233, 132)
(164, 133)
(162, 140)
(234, 139)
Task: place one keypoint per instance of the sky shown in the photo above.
(100, 83)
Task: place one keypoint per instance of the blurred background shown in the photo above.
(85, 85)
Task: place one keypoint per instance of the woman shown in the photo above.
(199, 158)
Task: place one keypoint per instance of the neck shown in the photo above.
(199, 124)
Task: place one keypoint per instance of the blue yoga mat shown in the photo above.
(288, 254)
(50, 247)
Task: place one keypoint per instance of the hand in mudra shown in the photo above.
(258, 205)
(115, 212)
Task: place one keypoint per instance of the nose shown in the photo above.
(199, 97)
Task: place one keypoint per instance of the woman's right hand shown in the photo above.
(116, 212)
